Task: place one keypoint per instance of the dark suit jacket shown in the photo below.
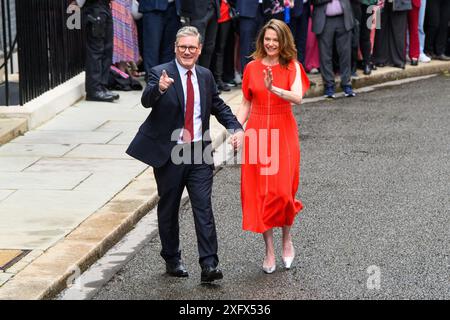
(153, 143)
(402, 5)
(247, 8)
(156, 5)
(319, 16)
(297, 10)
(196, 9)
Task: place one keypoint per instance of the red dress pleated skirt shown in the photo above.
(271, 153)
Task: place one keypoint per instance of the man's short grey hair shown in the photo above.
(188, 31)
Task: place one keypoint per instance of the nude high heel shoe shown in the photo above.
(288, 260)
(269, 269)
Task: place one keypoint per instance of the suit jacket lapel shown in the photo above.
(202, 89)
(178, 85)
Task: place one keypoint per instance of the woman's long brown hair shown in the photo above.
(286, 43)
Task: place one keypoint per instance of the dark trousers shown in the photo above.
(248, 30)
(334, 30)
(364, 34)
(171, 180)
(219, 52)
(159, 33)
(207, 26)
(299, 28)
(356, 32)
(437, 16)
(390, 39)
(99, 46)
(229, 61)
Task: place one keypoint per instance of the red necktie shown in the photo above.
(188, 132)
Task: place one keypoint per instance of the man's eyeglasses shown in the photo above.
(184, 48)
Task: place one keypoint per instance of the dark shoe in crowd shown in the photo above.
(231, 83)
(379, 65)
(210, 273)
(223, 86)
(177, 270)
(401, 66)
(414, 62)
(348, 91)
(430, 55)
(115, 96)
(99, 96)
(367, 69)
(373, 66)
(329, 92)
(442, 57)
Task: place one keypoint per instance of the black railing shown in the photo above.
(49, 53)
(7, 45)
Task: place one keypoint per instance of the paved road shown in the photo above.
(375, 176)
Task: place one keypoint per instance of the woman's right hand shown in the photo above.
(268, 78)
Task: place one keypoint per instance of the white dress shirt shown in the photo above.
(197, 108)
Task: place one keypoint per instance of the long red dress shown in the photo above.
(271, 152)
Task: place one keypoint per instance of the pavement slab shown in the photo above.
(16, 164)
(99, 151)
(5, 194)
(37, 181)
(65, 137)
(41, 150)
(117, 113)
(121, 126)
(123, 138)
(81, 123)
(82, 164)
(4, 277)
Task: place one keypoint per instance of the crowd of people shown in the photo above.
(330, 35)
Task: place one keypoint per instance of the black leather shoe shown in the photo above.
(430, 54)
(113, 94)
(442, 57)
(414, 62)
(99, 96)
(223, 86)
(176, 270)
(210, 274)
(367, 69)
(400, 66)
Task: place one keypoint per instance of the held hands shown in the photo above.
(165, 81)
(268, 78)
(237, 139)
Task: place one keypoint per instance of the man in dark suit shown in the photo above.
(175, 141)
(160, 25)
(97, 20)
(299, 26)
(333, 21)
(251, 19)
(203, 14)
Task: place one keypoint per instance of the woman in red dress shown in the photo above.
(272, 83)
